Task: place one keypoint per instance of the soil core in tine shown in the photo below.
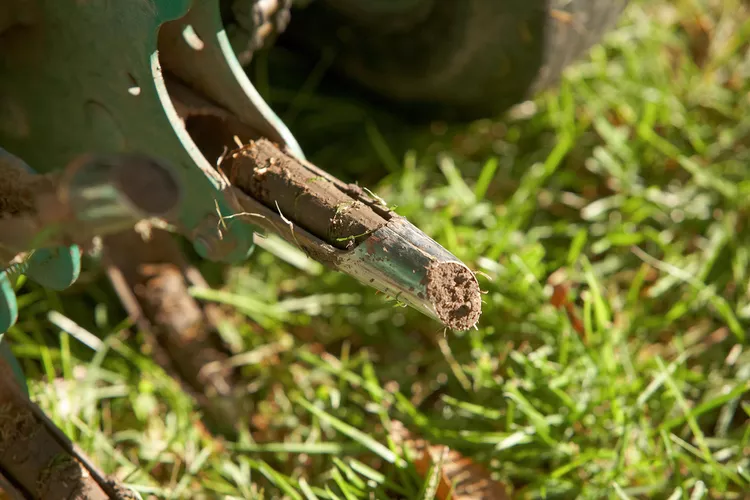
(313, 202)
(454, 291)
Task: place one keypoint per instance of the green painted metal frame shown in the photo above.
(86, 77)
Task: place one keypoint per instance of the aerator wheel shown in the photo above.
(455, 59)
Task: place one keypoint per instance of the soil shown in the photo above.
(149, 186)
(454, 291)
(314, 203)
(17, 188)
(32, 456)
(120, 492)
(151, 279)
(166, 301)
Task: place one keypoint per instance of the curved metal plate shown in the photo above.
(196, 48)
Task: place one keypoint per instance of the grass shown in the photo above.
(609, 220)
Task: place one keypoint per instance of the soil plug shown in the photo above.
(338, 225)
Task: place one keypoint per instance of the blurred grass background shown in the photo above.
(608, 218)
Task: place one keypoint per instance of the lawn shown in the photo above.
(608, 222)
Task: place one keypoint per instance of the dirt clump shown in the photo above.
(16, 424)
(153, 278)
(183, 330)
(33, 459)
(454, 292)
(18, 187)
(62, 469)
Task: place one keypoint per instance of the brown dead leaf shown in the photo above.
(560, 300)
(460, 478)
(561, 16)
(700, 32)
(568, 19)
(9, 495)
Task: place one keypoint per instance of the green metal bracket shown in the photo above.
(197, 49)
(86, 77)
(55, 268)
